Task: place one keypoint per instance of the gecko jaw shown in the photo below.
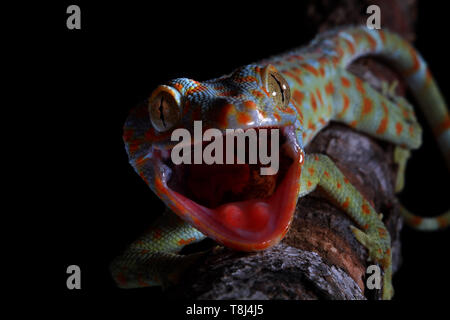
(243, 221)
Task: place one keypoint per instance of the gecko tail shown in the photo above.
(425, 224)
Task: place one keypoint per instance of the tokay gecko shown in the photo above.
(298, 92)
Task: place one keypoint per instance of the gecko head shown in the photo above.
(195, 144)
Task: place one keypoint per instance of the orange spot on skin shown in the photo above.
(335, 61)
(353, 123)
(360, 86)
(351, 47)
(415, 221)
(329, 88)
(319, 95)
(357, 37)
(322, 61)
(411, 130)
(345, 82)
(157, 234)
(384, 122)
(382, 232)
(298, 96)
(313, 102)
(257, 93)
(367, 106)
(398, 128)
(322, 72)
(372, 42)
(309, 183)
(340, 52)
(178, 86)
(296, 70)
(346, 203)
(365, 208)
(415, 63)
(294, 77)
(246, 79)
(277, 116)
(198, 88)
(287, 110)
(443, 126)
(316, 157)
(182, 242)
(243, 118)
(299, 111)
(322, 121)
(338, 185)
(311, 69)
(382, 36)
(295, 57)
(428, 78)
(346, 104)
(405, 114)
(227, 93)
(366, 226)
(311, 171)
(346, 180)
(326, 174)
(442, 222)
(250, 105)
(311, 125)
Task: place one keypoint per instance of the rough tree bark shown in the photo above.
(319, 257)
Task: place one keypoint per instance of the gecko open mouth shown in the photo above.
(235, 203)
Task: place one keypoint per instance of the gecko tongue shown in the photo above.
(250, 215)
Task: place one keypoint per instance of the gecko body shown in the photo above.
(299, 92)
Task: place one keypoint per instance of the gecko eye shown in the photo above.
(276, 86)
(164, 108)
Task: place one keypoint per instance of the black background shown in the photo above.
(94, 202)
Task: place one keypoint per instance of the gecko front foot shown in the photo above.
(372, 241)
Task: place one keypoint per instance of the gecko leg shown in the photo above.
(369, 111)
(391, 119)
(320, 171)
(152, 260)
(401, 156)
